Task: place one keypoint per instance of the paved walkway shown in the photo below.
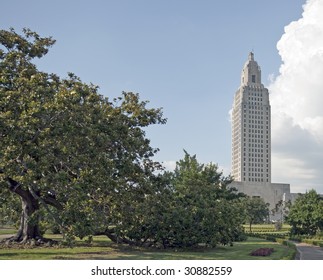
(3, 236)
(309, 252)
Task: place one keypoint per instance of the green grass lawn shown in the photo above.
(7, 230)
(102, 248)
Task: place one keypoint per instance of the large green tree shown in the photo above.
(207, 209)
(201, 209)
(65, 150)
(256, 210)
(306, 214)
(188, 207)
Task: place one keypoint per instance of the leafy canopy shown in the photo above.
(306, 214)
(66, 146)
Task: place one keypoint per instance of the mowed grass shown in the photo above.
(7, 231)
(102, 248)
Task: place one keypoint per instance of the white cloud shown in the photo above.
(230, 115)
(297, 103)
(226, 170)
(169, 165)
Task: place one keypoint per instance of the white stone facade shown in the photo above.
(271, 192)
(251, 139)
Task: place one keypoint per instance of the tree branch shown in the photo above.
(15, 187)
(50, 201)
(53, 202)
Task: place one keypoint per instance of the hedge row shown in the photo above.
(313, 242)
(269, 231)
(316, 240)
(269, 235)
(280, 237)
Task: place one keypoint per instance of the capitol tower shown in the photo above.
(251, 140)
(251, 145)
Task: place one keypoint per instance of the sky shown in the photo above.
(186, 56)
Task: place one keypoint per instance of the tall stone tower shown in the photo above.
(251, 129)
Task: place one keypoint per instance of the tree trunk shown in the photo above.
(28, 228)
(28, 231)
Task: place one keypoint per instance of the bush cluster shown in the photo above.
(262, 252)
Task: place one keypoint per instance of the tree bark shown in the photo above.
(28, 231)
(28, 228)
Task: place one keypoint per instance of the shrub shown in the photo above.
(262, 252)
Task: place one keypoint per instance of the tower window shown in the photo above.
(253, 78)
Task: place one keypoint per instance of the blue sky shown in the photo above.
(184, 56)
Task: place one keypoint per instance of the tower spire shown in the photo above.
(251, 56)
(251, 73)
